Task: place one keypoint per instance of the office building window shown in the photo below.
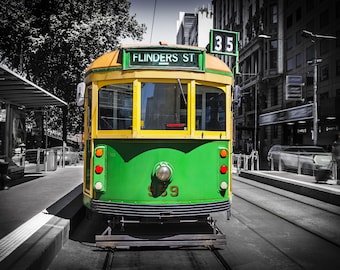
(298, 60)
(309, 5)
(263, 101)
(289, 21)
(337, 67)
(324, 19)
(273, 54)
(309, 78)
(337, 38)
(324, 73)
(310, 53)
(324, 97)
(324, 46)
(290, 43)
(275, 131)
(290, 63)
(265, 133)
(298, 14)
(274, 15)
(298, 37)
(274, 96)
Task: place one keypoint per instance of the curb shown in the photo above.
(306, 189)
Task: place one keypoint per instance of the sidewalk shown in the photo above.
(31, 226)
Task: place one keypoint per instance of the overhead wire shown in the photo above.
(153, 19)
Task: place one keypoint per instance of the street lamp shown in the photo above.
(314, 37)
(257, 88)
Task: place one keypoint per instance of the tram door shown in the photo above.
(87, 138)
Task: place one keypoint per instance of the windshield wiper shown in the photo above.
(180, 86)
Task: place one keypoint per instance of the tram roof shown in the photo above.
(17, 90)
(113, 58)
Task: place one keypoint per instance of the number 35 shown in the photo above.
(229, 46)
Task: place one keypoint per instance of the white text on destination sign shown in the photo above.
(163, 58)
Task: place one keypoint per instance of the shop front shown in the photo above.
(296, 125)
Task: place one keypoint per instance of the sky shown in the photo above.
(166, 16)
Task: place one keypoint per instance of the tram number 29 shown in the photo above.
(172, 191)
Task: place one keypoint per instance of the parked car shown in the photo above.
(307, 158)
(70, 154)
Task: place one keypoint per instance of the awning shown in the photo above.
(17, 90)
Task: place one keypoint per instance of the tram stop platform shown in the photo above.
(34, 220)
(327, 191)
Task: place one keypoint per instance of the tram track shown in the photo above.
(287, 218)
(193, 258)
(289, 195)
(287, 230)
(269, 229)
(220, 258)
(108, 262)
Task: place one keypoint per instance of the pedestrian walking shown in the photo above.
(336, 155)
(3, 174)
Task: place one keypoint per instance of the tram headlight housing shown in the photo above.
(100, 170)
(163, 171)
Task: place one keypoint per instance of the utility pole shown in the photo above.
(314, 37)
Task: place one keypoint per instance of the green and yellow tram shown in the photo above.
(158, 133)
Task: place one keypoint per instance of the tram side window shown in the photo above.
(164, 106)
(115, 107)
(210, 108)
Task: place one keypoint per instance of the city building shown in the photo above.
(193, 28)
(281, 45)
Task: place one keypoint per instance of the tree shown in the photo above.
(51, 42)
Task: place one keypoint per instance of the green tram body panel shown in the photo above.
(129, 165)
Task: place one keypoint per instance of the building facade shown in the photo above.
(275, 88)
(193, 28)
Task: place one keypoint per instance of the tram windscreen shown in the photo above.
(164, 106)
(115, 107)
(210, 108)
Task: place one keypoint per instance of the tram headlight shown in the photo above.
(224, 185)
(98, 186)
(163, 172)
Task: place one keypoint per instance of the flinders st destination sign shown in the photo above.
(163, 59)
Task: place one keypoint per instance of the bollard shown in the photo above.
(299, 164)
(280, 164)
(271, 164)
(245, 162)
(38, 160)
